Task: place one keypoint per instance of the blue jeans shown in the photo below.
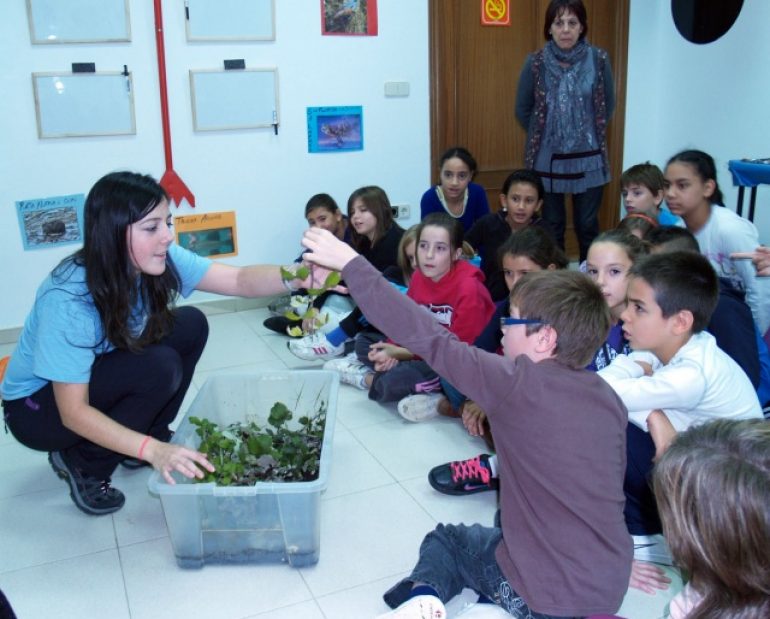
(453, 557)
(453, 395)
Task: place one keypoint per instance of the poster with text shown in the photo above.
(212, 235)
(48, 222)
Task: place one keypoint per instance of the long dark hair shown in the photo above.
(376, 201)
(704, 167)
(116, 201)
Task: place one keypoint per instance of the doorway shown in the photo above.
(474, 75)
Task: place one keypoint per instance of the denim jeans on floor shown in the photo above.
(453, 557)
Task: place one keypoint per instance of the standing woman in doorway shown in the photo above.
(564, 100)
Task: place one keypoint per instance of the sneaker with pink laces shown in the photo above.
(464, 476)
(418, 607)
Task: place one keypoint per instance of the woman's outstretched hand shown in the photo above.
(166, 458)
(326, 249)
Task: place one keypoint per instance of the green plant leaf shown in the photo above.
(279, 414)
(332, 279)
(292, 315)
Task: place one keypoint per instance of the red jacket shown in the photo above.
(459, 301)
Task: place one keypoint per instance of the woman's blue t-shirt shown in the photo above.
(62, 335)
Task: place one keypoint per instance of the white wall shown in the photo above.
(711, 97)
(266, 179)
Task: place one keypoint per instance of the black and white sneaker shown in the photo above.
(92, 496)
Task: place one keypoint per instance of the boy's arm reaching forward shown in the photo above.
(401, 319)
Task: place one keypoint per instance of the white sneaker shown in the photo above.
(350, 369)
(315, 347)
(652, 548)
(420, 607)
(420, 407)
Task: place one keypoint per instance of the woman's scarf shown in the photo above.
(566, 122)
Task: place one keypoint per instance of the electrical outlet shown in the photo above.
(400, 211)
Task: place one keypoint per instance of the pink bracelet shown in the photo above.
(142, 446)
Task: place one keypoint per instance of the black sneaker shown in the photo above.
(93, 496)
(464, 476)
(279, 324)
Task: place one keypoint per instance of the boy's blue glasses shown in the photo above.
(507, 321)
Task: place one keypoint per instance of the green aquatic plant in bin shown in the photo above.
(302, 305)
(244, 453)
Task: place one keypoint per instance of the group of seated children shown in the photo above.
(579, 446)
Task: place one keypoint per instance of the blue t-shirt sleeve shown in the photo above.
(190, 266)
(66, 343)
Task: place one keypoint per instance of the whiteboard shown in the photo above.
(230, 20)
(237, 99)
(78, 21)
(81, 104)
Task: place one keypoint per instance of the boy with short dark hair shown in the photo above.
(562, 548)
(679, 377)
(642, 190)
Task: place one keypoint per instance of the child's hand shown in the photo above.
(326, 249)
(646, 367)
(647, 577)
(661, 432)
(473, 418)
(760, 257)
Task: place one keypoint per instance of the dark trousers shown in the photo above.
(453, 557)
(404, 379)
(641, 511)
(585, 216)
(142, 391)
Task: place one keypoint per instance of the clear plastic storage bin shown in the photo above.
(266, 522)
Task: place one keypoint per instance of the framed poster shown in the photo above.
(46, 222)
(230, 20)
(78, 21)
(349, 17)
(235, 99)
(213, 235)
(82, 104)
(335, 129)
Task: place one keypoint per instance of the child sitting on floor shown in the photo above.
(610, 257)
(376, 236)
(562, 548)
(679, 378)
(713, 490)
(693, 193)
(453, 292)
(521, 198)
(642, 190)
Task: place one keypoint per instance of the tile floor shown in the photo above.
(57, 562)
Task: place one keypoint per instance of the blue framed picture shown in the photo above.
(48, 222)
(335, 129)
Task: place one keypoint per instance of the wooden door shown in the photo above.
(474, 76)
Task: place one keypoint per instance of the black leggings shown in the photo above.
(142, 391)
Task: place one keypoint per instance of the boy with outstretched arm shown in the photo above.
(676, 377)
(562, 549)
